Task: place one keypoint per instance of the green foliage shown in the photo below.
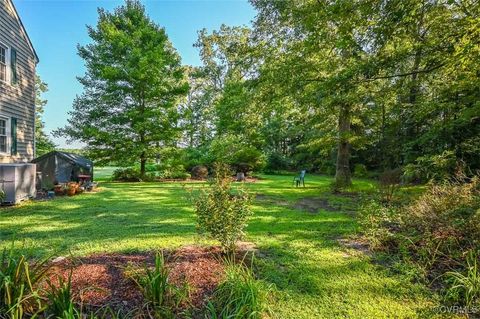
(60, 300)
(465, 286)
(239, 295)
(376, 221)
(310, 281)
(43, 143)
(360, 170)
(435, 232)
(132, 85)
(127, 175)
(431, 167)
(200, 171)
(163, 297)
(234, 151)
(389, 182)
(18, 280)
(277, 162)
(223, 212)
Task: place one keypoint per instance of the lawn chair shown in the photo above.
(300, 179)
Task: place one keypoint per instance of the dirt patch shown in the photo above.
(355, 247)
(314, 204)
(201, 268)
(99, 280)
(272, 200)
(309, 204)
(102, 279)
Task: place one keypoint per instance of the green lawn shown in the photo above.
(313, 275)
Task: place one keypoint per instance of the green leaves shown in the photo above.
(133, 82)
(222, 212)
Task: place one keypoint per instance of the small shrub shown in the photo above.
(377, 222)
(127, 175)
(236, 152)
(360, 170)
(435, 233)
(239, 295)
(18, 296)
(389, 183)
(431, 167)
(173, 173)
(162, 297)
(465, 287)
(248, 159)
(60, 300)
(200, 172)
(277, 162)
(221, 212)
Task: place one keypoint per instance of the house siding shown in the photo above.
(18, 100)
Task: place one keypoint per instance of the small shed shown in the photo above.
(62, 167)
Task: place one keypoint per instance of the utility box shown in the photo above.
(17, 181)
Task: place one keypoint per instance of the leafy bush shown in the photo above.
(127, 175)
(248, 159)
(232, 150)
(177, 172)
(435, 232)
(17, 281)
(389, 182)
(276, 162)
(377, 221)
(239, 295)
(200, 172)
(221, 212)
(162, 297)
(360, 170)
(431, 167)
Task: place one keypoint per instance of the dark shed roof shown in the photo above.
(71, 157)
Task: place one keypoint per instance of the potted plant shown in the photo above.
(71, 188)
(59, 189)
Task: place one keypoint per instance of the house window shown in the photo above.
(3, 63)
(3, 136)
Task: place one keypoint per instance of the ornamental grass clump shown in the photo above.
(223, 211)
(239, 295)
(18, 279)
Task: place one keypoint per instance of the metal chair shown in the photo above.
(300, 179)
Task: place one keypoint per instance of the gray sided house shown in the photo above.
(17, 104)
(17, 88)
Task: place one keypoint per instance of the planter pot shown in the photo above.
(59, 190)
(72, 188)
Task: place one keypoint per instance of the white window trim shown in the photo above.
(9, 135)
(7, 62)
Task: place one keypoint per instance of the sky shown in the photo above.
(56, 27)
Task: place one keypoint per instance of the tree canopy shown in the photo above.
(132, 86)
(317, 84)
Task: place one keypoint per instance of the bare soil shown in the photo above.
(308, 204)
(103, 279)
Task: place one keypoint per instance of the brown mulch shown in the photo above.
(101, 279)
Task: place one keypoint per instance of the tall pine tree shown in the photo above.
(133, 83)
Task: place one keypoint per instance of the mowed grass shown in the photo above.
(313, 275)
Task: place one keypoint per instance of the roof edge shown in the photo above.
(24, 31)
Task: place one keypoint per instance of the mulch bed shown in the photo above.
(100, 280)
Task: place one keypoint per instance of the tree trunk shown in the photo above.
(143, 161)
(342, 175)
